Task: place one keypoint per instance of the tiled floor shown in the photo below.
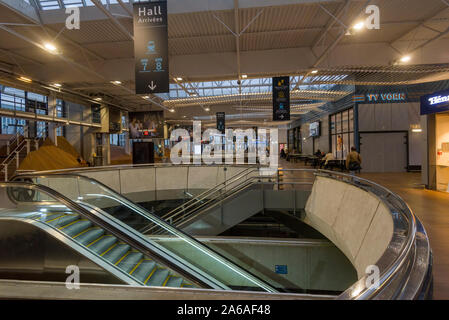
(431, 207)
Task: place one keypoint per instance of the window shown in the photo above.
(342, 133)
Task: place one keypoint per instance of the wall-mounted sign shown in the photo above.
(151, 47)
(436, 102)
(281, 99)
(381, 97)
(281, 269)
(221, 122)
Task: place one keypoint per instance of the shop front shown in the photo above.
(435, 107)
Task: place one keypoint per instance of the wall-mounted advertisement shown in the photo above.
(146, 125)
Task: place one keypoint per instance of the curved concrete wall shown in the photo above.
(356, 221)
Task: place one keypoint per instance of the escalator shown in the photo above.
(118, 247)
(141, 267)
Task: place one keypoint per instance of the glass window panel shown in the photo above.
(338, 123)
(345, 121)
(351, 120)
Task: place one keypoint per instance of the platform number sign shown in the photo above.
(151, 47)
(281, 98)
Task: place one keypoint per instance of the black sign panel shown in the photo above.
(434, 103)
(221, 121)
(151, 47)
(281, 99)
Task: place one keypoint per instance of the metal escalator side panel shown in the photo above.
(73, 245)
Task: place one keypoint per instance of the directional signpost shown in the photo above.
(281, 99)
(151, 47)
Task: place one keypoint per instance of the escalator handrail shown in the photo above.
(179, 233)
(121, 233)
(208, 192)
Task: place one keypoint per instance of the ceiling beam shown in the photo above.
(114, 20)
(23, 9)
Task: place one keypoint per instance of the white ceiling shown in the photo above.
(281, 37)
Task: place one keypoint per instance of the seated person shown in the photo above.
(325, 160)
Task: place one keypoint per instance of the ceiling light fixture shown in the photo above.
(50, 47)
(406, 59)
(146, 97)
(178, 79)
(244, 76)
(172, 110)
(359, 26)
(116, 82)
(314, 71)
(98, 99)
(207, 109)
(25, 79)
(57, 85)
(417, 130)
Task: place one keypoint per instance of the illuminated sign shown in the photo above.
(386, 97)
(434, 103)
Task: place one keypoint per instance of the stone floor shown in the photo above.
(431, 207)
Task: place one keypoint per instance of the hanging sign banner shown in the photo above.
(435, 102)
(151, 47)
(221, 121)
(281, 99)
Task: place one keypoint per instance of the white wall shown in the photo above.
(395, 117)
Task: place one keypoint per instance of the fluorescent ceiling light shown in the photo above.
(116, 82)
(57, 85)
(178, 79)
(244, 76)
(314, 71)
(417, 130)
(146, 97)
(25, 79)
(98, 99)
(172, 110)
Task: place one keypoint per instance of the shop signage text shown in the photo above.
(435, 102)
(386, 97)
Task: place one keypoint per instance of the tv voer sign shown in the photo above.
(435, 102)
(151, 47)
(281, 99)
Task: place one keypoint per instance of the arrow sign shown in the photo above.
(152, 86)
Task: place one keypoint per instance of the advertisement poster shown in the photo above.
(146, 125)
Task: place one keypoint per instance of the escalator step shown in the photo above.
(49, 216)
(116, 252)
(130, 261)
(101, 244)
(64, 220)
(88, 236)
(143, 270)
(77, 227)
(158, 278)
(174, 282)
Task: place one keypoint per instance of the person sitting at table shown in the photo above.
(328, 157)
(283, 154)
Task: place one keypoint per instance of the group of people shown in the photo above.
(353, 161)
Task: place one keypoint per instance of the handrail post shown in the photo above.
(17, 159)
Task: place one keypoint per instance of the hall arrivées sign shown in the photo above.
(385, 97)
(151, 47)
(435, 102)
